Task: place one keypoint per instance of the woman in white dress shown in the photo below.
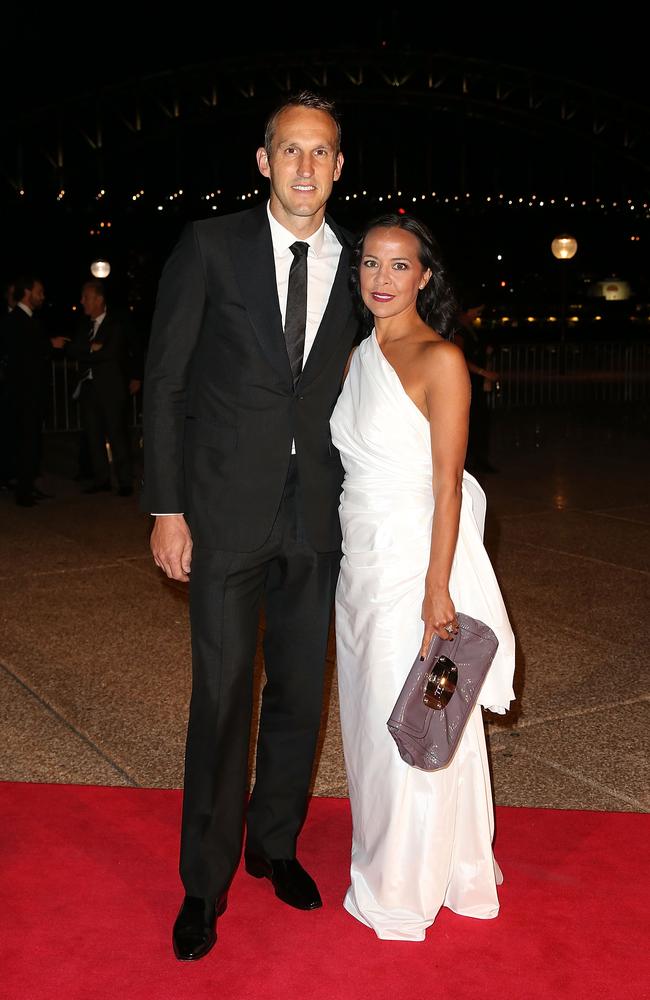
(413, 555)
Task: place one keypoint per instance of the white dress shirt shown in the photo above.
(322, 263)
(97, 322)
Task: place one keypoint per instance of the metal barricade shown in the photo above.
(547, 374)
(560, 373)
(62, 412)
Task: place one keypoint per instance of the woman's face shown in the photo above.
(390, 272)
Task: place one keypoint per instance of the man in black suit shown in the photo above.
(7, 442)
(104, 346)
(28, 351)
(252, 329)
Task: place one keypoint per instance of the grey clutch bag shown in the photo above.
(440, 692)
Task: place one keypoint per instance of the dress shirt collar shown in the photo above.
(25, 309)
(283, 238)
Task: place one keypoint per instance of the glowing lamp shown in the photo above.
(564, 247)
(100, 268)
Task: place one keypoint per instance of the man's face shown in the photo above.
(302, 166)
(36, 296)
(92, 303)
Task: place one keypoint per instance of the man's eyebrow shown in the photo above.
(295, 142)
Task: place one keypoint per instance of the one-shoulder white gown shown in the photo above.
(421, 840)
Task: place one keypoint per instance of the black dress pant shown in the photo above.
(28, 430)
(7, 432)
(105, 414)
(226, 592)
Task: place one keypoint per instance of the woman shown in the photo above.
(412, 553)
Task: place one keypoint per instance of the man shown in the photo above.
(7, 443)
(28, 352)
(252, 329)
(105, 349)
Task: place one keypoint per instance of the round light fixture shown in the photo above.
(100, 268)
(564, 247)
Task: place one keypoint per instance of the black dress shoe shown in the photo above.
(125, 491)
(25, 500)
(39, 495)
(195, 929)
(291, 882)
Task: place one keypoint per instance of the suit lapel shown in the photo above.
(252, 252)
(334, 321)
(337, 311)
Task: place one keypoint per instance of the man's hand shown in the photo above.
(171, 545)
(95, 346)
(59, 342)
(134, 386)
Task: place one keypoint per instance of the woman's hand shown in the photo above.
(439, 617)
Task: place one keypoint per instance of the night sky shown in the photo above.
(40, 61)
(40, 65)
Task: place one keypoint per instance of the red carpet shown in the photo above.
(90, 891)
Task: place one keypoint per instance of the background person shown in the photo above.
(28, 355)
(105, 347)
(469, 338)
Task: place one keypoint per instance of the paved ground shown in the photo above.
(94, 664)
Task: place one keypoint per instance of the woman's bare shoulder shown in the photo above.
(443, 360)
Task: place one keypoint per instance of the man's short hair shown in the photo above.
(304, 99)
(24, 283)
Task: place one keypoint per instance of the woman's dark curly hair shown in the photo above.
(436, 303)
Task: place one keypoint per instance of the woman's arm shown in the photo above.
(447, 391)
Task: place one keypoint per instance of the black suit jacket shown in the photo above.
(117, 362)
(220, 409)
(29, 352)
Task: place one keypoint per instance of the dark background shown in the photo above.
(49, 63)
(48, 54)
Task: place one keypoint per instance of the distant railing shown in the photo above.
(529, 375)
(559, 373)
(63, 412)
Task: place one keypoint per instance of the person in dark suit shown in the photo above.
(7, 442)
(104, 346)
(469, 338)
(28, 352)
(252, 328)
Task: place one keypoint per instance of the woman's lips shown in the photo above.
(382, 297)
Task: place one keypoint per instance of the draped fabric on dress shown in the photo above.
(421, 840)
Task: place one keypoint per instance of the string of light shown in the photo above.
(407, 199)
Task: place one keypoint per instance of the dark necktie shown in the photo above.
(88, 372)
(296, 314)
